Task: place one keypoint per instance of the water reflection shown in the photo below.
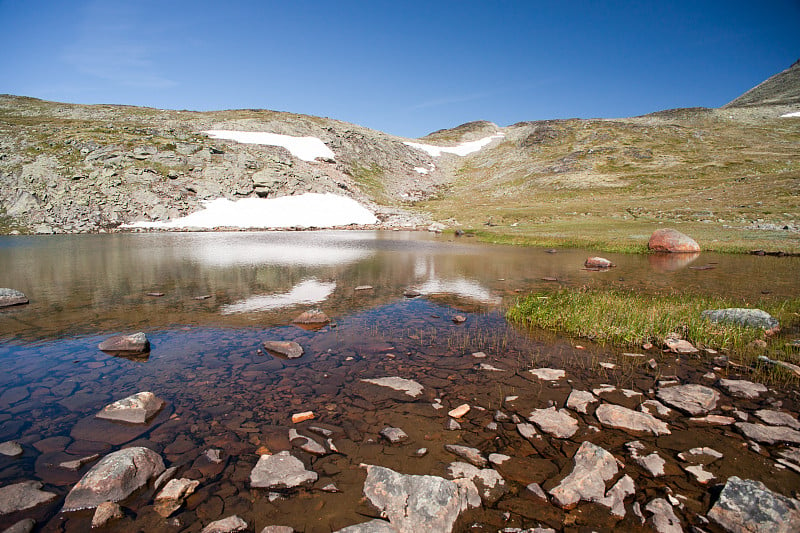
(671, 262)
(308, 292)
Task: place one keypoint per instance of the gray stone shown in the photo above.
(556, 423)
(490, 483)
(135, 409)
(587, 481)
(105, 513)
(473, 455)
(23, 526)
(418, 503)
(749, 506)
(114, 478)
(173, 495)
(778, 418)
(681, 346)
(620, 417)
(753, 318)
(408, 386)
(280, 471)
(693, 399)
(768, 434)
(306, 444)
(394, 435)
(10, 449)
(285, 349)
(226, 525)
(663, 519)
(76, 464)
(9, 297)
(21, 496)
(743, 388)
(373, 526)
(615, 497)
(133, 343)
(579, 400)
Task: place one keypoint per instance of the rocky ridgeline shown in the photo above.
(74, 168)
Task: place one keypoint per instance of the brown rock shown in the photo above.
(598, 262)
(9, 297)
(670, 240)
(134, 343)
(284, 349)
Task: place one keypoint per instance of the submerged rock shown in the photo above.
(21, 496)
(598, 262)
(135, 409)
(693, 399)
(490, 483)
(9, 297)
(418, 503)
(11, 449)
(473, 455)
(408, 386)
(579, 400)
(133, 343)
(394, 435)
(593, 467)
(620, 417)
(673, 241)
(281, 471)
(557, 423)
(173, 494)
(548, 374)
(745, 505)
(312, 319)
(754, 318)
(284, 349)
(114, 478)
(105, 513)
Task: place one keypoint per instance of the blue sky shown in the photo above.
(407, 68)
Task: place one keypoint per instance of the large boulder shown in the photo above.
(749, 506)
(134, 343)
(135, 409)
(114, 478)
(9, 297)
(670, 240)
(418, 503)
(740, 316)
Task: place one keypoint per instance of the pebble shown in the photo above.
(301, 417)
(459, 411)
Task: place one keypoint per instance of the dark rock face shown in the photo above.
(134, 343)
(285, 349)
(745, 505)
(670, 240)
(9, 297)
(114, 478)
(754, 318)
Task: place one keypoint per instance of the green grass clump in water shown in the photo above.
(628, 318)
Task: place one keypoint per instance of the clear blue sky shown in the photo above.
(404, 67)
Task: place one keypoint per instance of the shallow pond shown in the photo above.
(207, 301)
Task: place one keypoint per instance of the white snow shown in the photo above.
(307, 292)
(794, 114)
(305, 210)
(461, 287)
(421, 170)
(462, 149)
(258, 252)
(305, 148)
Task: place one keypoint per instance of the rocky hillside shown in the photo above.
(730, 176)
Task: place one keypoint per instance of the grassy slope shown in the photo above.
(609, 183)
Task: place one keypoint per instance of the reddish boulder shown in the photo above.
(670, 240)
(598, 262)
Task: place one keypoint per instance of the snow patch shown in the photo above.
(305, 210)
(793, 114)
(305, 148)
(461, 287)
(462, 149)
(308, 292)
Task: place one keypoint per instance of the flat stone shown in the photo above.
(652, 463)
(587, 481)
(11, 449)
(418, 503)
(133, 343)
(408, 386)
(753, 318)
(373, 526)
(743, 388)
(769, 434)
(9, 297)
(548, 374)
(77, 464)
(556, 423)
(498, 458)
(620, 417)
(579, 400)
(663, 516)
(452, 425)
(173, 495)
(703, 455)
(615, 497)
(713, 420)
(394, 435)
(114, 478)
(693, 399)
(284, 349)
(307, 444)
(459, 411)
(105, 513)
(745, 505)
(536, 490)
(230, 524)
(473, 455)
(22, 496)
(654, 407)
(700, 473)
(490, 483)
(135, 409)
(280, 471)
(778, 418)
(528, 431)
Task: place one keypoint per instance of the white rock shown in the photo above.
(579, 400)
(548, 374)
(408, 386)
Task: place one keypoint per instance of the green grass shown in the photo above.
(629, 319)
(370, 179)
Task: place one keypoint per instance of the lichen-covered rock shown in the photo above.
(135, 409)
(9, 297)
(114, 478)
(670, 240)
(749, 506)
(754, 318)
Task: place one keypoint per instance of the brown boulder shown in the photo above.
(670, 240)
(134, 343)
